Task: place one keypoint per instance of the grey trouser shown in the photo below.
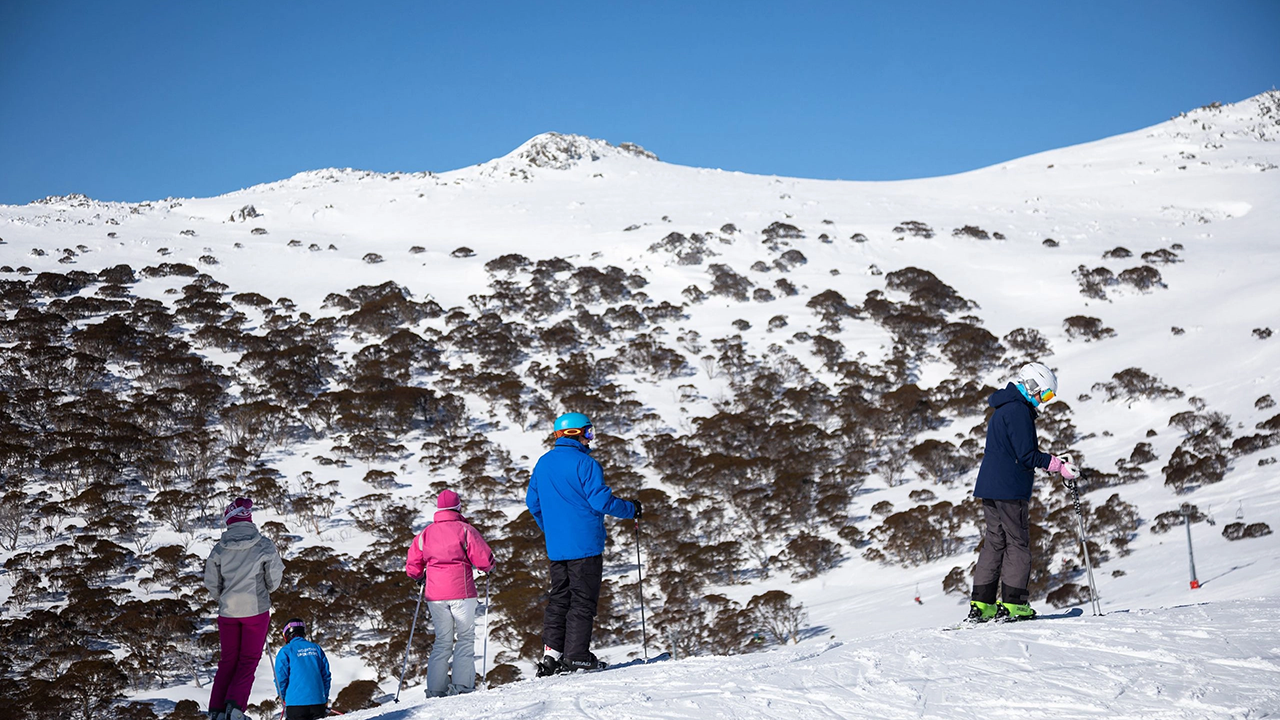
(1006, 552)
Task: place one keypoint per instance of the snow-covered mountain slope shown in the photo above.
(1218, 660)
(1195, 200)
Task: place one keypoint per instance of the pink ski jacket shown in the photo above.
(447, 549)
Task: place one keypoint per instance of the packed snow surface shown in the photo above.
(1215, 660)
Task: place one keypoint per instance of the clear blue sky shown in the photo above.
(142, 100)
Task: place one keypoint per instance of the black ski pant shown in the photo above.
(571, 607)
(306, 712)
(1006, 552)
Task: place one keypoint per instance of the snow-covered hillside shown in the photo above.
(1155, 250)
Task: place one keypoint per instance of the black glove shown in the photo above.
(639, 512)
(421, 580)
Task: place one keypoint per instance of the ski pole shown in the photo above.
(1084, 543)
(405, 667)
(484, 661)
(644, 634)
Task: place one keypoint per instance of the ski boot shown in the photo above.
(547, 666)
(980, 612)
(590, 662)
(1013, 612)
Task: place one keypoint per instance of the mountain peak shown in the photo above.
(558, 151)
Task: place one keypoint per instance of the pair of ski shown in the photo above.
(1073, 612)
(630, 663)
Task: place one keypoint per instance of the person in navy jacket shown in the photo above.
(1004, 485)
(568, 499)
(302, 675)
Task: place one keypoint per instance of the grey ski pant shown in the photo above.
(1006, 552)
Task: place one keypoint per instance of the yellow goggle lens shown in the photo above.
(1046, 396)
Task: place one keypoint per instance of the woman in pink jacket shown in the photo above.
(443, 555)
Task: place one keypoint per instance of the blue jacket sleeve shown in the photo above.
(1022, 438)
(531, 500)
(600, 497)
(282, 672)
(324, 672)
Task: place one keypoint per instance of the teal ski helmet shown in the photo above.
(574, 425)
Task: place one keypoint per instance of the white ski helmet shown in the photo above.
(1039, 382)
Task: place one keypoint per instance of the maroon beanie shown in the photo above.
(448, 500)
(238, 511)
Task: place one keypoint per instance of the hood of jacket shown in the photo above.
(1009, 394)
(240, 536)
(447, 516)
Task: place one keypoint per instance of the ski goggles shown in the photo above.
(292, 626)
(1033, 389)
(587, 433)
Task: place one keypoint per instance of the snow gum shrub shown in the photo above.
(940, 461)
(973, 350)
(1266, 403)
(1117, 522)
(1262, 333)
(1143, 277)
(118, 275)
(1068, 595)
(971, 231)
(386, 307)
(686, 250)
(956, 582)
(916, 228)
(927, 291)
(169, 270)
(1093, 283)
(1170, 519)
(807, 556)
(1240, 531)
(1081, 327)
(923, 533)
(610, 285)
(781, 231)
(1049, 243)
(372, 258)
(790, 259)
(1199, 459)
(1133, 383)
(728, 283)
(1027, 344)
(776, 612)
(1117, 253)
(51, 284)
(645, 355)
(831, 307)
(1160, 257)
(358, 695)
(463, 252)
(507, 264)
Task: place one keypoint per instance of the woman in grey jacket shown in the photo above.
(242, 569)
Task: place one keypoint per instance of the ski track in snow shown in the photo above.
(1219, 660)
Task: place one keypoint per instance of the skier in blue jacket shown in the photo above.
(568, 499)
(1004, 486)
(302, 675)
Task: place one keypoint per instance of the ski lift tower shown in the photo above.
(1191, 556)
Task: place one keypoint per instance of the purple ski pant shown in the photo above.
(242, 641)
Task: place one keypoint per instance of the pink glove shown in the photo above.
(1063, 467)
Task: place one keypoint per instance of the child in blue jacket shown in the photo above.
(302, 675)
